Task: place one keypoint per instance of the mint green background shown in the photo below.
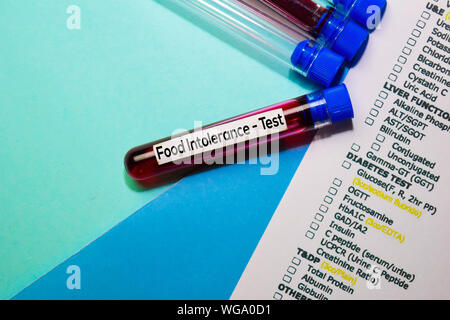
(72, 102)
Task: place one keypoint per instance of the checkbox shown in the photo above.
(393, 77)
(315, 226)
(416, 33)
(337, 182)
(328, 199)
(323, 208)
(310, 234)
(296, 261)
(369, 121)
(412, 42)
(378, 103)
(397, 68)
(278, 296)
(383, 95)
(402, 59)
(291, 270)
(333, 191)
(421, 24)
(319, 217)
(346, 164)
(374, 112)
(355, 147)
(376, 146)
(287, 278)
(425, 15)
(380, 138)
(407, 50)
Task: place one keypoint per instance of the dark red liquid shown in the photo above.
(306, 13)
(149, 173)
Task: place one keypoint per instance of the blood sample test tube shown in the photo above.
(170, 158)
(326, 25)
(310, 59)
(361, 11)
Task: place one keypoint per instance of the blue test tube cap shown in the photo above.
(321, 64)
(338, 103)
(346, 37)
(362, 10)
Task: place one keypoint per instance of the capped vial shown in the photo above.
(298, 51)
(237, 138)
(326, 25)
(364, 12)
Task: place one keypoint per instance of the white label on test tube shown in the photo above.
(220, 136)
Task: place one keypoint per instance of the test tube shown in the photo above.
(170, 158)
(326, 26)
(308, 58)
(361, 11)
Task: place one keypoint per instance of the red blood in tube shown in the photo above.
(306, 13)
(142, 165)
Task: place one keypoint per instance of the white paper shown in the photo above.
(406, 239)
